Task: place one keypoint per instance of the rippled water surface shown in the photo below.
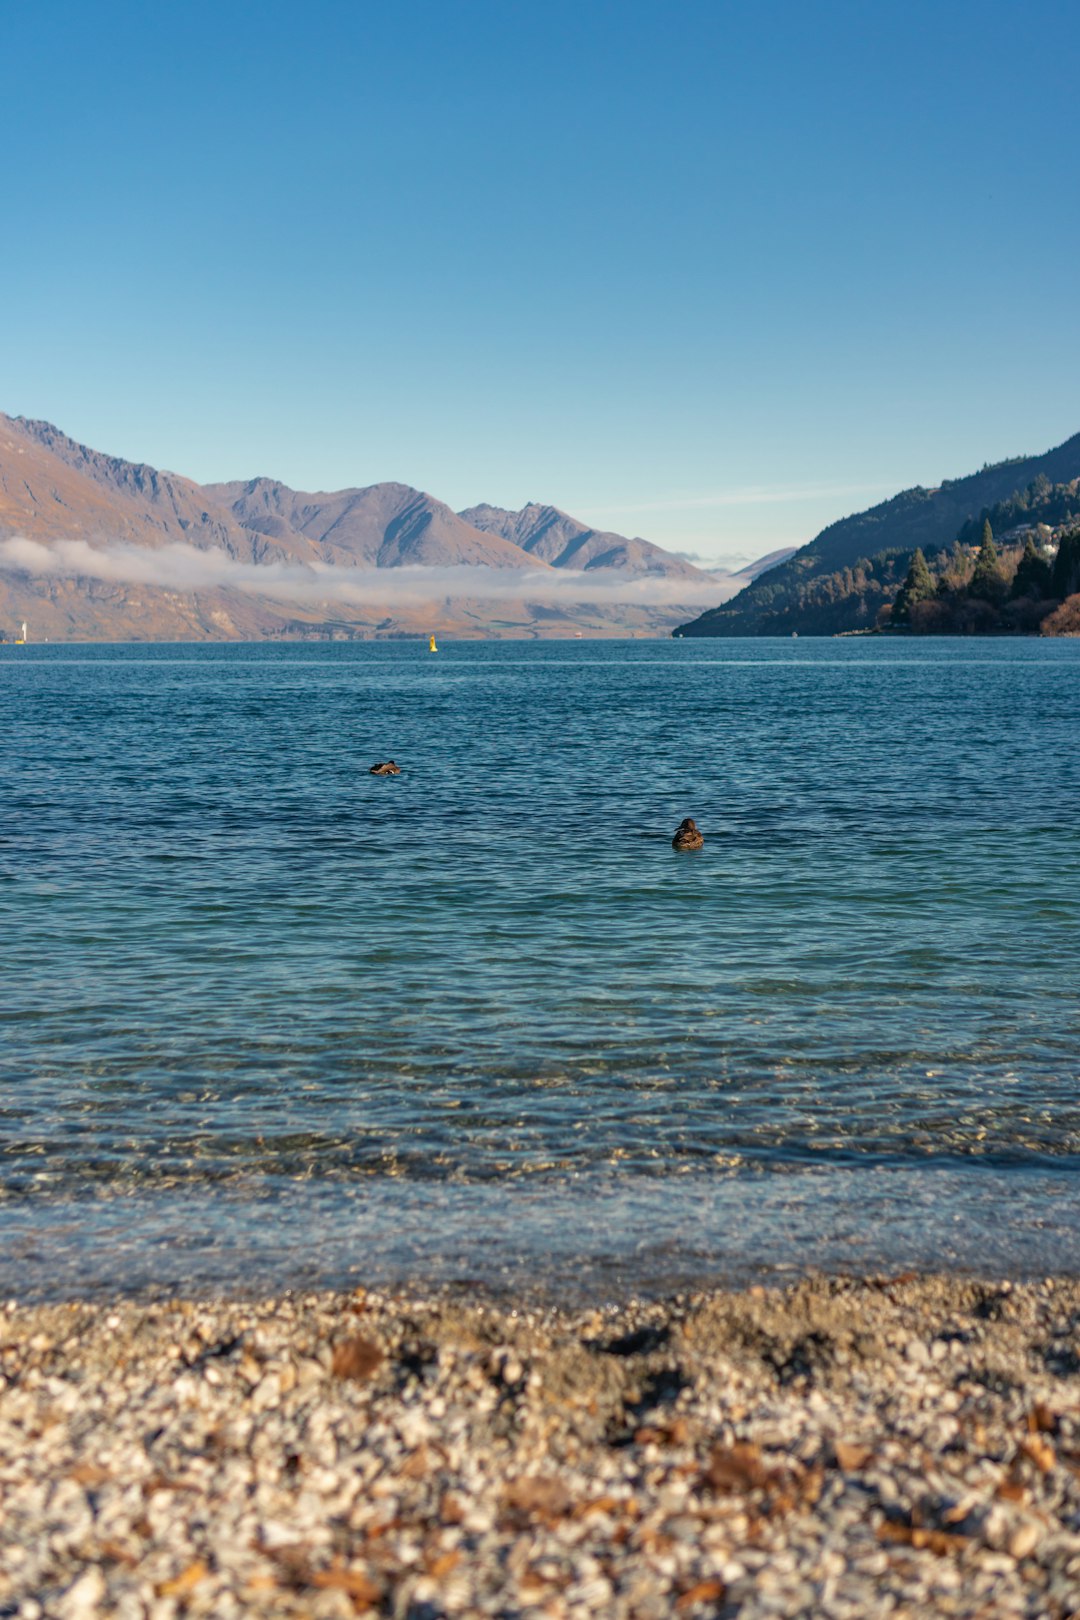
(257, 1005)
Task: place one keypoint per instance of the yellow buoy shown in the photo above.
(431, 645)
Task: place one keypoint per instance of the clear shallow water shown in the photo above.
(260, 1008)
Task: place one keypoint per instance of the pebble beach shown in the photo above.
(902, 1445)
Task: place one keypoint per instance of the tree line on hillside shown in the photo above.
(1006, 588)
(1040, 502)
(847, 599)
(992, 591)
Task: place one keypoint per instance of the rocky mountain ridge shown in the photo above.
(382, 526)
(93, 546)
(565, 542)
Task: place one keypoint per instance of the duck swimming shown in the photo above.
(387, 768)
(687, 836)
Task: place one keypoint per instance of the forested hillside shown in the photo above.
(853, 568)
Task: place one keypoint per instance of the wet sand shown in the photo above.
(904, 1446)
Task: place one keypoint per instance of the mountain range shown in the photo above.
(93, 547)
(96, 547)
(783, 599)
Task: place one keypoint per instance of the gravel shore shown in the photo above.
(891, 1446)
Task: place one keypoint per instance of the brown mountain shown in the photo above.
(96, 547)
(565, 542)
(53, 488)
(383, 526)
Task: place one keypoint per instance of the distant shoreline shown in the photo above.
(449, 641)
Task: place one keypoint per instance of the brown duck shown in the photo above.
(387, 768)
(687, 836)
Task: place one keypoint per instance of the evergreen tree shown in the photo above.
(917, 587)
(987, 582)
(959, 564)
(1032, 574)
(1066, 573)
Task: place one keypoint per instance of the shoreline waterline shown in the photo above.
(566, 1241)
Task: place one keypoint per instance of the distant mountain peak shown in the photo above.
(547, 532)
(385, 525)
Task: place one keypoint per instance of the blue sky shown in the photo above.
(711, 273)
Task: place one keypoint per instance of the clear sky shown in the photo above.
(710, 273)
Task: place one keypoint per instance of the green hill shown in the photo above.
(851, 568)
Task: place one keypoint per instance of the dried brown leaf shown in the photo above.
(653, 1540)
(780, 1503)
(417, 1464)
(956, 1513)
(357, 1358)
(294, 1561)
(600, 1504)
(538, 1496)
(443, 1563)
(158, 1482)
(1040, 1452)
(736, 1468)
(356, 1583)
(292, 1558)
(188, 1578)
(118, 1554)
(850, 1458)
(712, 1591)
(382, 1527)
(940, 1542)
(675, 1433)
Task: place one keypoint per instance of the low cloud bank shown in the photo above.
(184, 568)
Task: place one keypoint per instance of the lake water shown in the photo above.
(266, 1019)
